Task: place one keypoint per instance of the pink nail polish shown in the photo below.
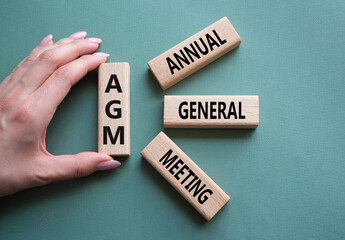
(101, 54)
(95, 40)
(107, 165)
(46, 40)
(78, 35)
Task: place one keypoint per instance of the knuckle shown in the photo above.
(48, 56)
(35, 52)
(84, 68)
(32, 56)
(40, 178)
(61, 73)
(87, 59)
(5, 102)
(80, 169)
(8, 100)
(16, 68)
(24, 113)
(79, 44)
(63, 41)
(30, 59)
(41, 174)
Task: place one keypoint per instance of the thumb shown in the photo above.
(81, 164)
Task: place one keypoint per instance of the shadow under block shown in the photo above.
(208, 111)
(185, 176)
(194, 53)
(114, 109)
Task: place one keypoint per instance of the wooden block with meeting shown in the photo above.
(185, 176)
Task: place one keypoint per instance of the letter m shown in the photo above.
(167, 160)
(113, 139)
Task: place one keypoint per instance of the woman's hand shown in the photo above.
(29, 97)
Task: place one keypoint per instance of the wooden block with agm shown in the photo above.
(113, 109)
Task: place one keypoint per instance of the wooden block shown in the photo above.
(185, 176)
(211, 111)
(113, 109)
(194, 53)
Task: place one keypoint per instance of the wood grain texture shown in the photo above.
(207, 111)
(177, 168)
(218, 39)
(114, 109)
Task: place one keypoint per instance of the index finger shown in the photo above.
(52, 59)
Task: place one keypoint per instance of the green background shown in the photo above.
(286, 179)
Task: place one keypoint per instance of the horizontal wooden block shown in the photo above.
(185, 176)
(114, 109)
(211, 111)
(194, 53)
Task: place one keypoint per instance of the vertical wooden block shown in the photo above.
(185, 176)
(211, 111)
(194, 53)
(114, 109)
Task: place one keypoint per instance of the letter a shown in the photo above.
(172, 65)
(110, 85)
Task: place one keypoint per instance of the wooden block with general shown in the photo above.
(114, 109)
(208, 111)
(185, 176)
(194, 53)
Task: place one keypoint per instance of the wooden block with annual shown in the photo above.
(208, 111)
(114, 109)
(194, 53)
(185, 176)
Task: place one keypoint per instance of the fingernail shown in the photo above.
(46, 40)
(95, 40)
(78, 35)
(101, 54)
(107, 165)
